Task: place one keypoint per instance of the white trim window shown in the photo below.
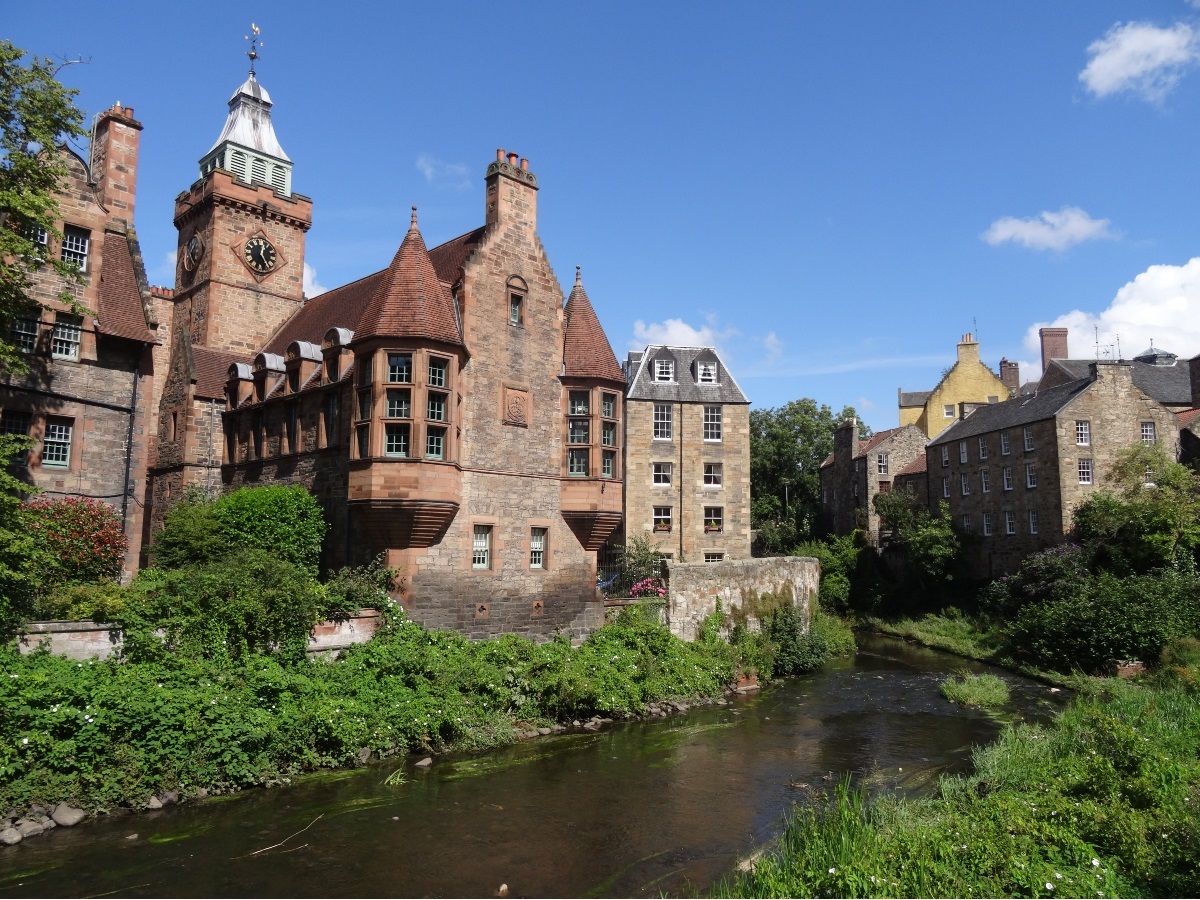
(1010, 522)
(945, 455)
(714, 557)
(964, 483)
(662, 422)
(881, 464)
(982, 447)
(537, 548)
(64, 340)
(75, 244)
(56, 442)
(1083, 433)
(1005, 446)
(1085, 470)
(481, 547)
(945, 485)
(962, 451)
(713, 473)
(966, 523)
(1033, 521)
(662, 518)
(664, 370)
(712, 423)
(1028, 433)
(985, 481)
(1006, 477)
(1030, 475)
(23, 333)
(661, 473)
(948, 411)
(1149, 433)
(706, 372)
(987, 524)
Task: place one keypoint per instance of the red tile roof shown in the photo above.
(448, 258)
(874, 441)
(828, 461)
(1187, 417)
(586, 351)
(916, 467)
(340, 308)
(212, 370)
(121, 312)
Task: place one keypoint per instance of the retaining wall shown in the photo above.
(747, 588)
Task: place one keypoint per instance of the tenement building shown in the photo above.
(86, 397)
(857, 470)
(449, 411)
(1013, 473)
(687, 454)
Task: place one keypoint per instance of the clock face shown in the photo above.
(259, 255)
(193, 252)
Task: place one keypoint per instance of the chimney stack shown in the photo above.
(1054, 345)
(114, 160)
(511, 191)
(1010, 374)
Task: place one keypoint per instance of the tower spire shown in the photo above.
(255, 43)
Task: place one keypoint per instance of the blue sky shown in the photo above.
(832, 193)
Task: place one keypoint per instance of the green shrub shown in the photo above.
(1180, 659)
(99, 602)
(975, 690)
(78, 540)
(191, 535)
(797, 650)
(353, 588)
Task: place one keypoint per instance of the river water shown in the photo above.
(637, 809)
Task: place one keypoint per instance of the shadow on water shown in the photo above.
(637, 810)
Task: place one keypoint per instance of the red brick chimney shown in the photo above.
(114, 160)
(511, 193)
(1054, 345)
(1010, 374)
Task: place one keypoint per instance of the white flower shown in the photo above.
(1049, 886)
(1057, 875)
(24, 740)
(1095, 862)
(832, 870)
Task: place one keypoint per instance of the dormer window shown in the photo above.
(706, 373)
(664, 370)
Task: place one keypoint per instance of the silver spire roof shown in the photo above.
(249, 121)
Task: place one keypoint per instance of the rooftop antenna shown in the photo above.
(975, 327)
(255, 43)
(1118, 337)
(1096, 328)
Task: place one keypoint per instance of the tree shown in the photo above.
(18, 571)
(787, 447)
(927, 540)
(36, 115)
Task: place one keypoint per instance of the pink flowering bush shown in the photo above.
(77, 539)
(648, 587)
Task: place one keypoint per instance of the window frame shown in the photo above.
(579, 403)
(24, 333)
(714, 475)
(1030, 476)
(1006, 477)
(395, 434)
(1027, 432)
(400, 372)
(1086, 470)
(662, 474)
(659, 516)
(439, 434)
(713, 424)
(1083, 433)
(1032, 520)
(983, 447)
(61, 440)
(945, 455)
(1005, 444)
(714, 519)
(68, 334)
(985, 481)
(537, 548)
(962, 451)
(987, 524)
(76, 246)
(516, 309)
(664, 371)
(948, 411)
(608, 464)
(481, 547)
(882, 462)
(438, 373)
(1149, 433)
(1010, 522)
(663, 421)
(578, 462)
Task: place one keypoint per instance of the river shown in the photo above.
(636, 809)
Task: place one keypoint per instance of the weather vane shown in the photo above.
(255, 43)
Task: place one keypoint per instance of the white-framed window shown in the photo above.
(537, 548)
(23, 333)
(1010, 522)
(439, 370)
(945, 485)
(1006, 476)
(962, 451)
(577, 462)
(661, 474)
(38, 235)
(608, 406)
(435, 443)
(985, 481)
(75, 244)
(1028, 432)
(578, 431)
(712, 423)
(395, 439)
(964, 482)
(714, 518)
(662, 421)
(966, 523)
(516, 309)
(662, 518)
(1030, 475)
(706, 372)
(664, 370)
(56, 442)
(481, 547)
(987, 524)
(608, 464)
(713, 557)
(881, 464)
(948, 411)
(1033, 521)
(17, 421)
(1005, 446)
(983, 448)
(945, 455)
(713, 473)
(64, 340)
(1083, 433)
(399, 368)
(1149, 434)
(1085, 470)
(577, 403)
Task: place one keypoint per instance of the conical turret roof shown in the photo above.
(409, 300)
(586, 351)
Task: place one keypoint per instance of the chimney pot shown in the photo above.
(500, 154)
(512, 159)
(524, 165)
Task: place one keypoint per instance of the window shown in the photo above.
(983, 448)
(1085, 471)
(608, 406)
(1005, 447)
(985, 481)
(1010, 522)
(438, 372)
(331, 418)
(881, 464)
(577, 462)
(987, 524)
(399, 403)
(661, 474)
(948, 411)
(962, 451)
(395, 439)
(714, 518)
(435, 443)
(662, 421)
(885, 487)
(75, 246)
(965, 483)
(537, 548)
(64, 341)
(945, 485)
(362, 366)
(364, 404)
(966, 523)
(608, 464)
(608, 434)
(481, 547)
(399, 368)
(577, 403)
(712, 423)
(38, 235)
(706, 372)
(1006, 475)
(713, 557)
(1083, 433)
(56, 443)
(664, 370)
(15, 421)
(516, 312)
(1030, 475)
(435, 407)
(577, 431)
(1028, 438)
(291, 417)
(945, 456)
(363, 435)
(24, 334)
(1033, 521)
(662, 518)
(712, 474)
(1149, 435)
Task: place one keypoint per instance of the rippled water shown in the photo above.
(634, 810)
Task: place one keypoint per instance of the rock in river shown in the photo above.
(67, 815)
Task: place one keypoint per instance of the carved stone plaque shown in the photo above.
(516, 407)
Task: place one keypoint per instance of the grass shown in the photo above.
(981, 691)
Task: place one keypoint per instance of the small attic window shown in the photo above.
(706, 372)
(664, 370)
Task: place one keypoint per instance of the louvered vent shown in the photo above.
(259, 171)
(237, 164)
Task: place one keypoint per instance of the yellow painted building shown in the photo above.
(967, 384)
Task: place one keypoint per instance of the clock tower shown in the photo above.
(240, 264)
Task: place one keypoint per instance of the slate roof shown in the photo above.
(914, 398)
(211, 369)
(121, 312)
(684, 389)
(874, 441)
(1013, 413)
(586, 350)
(1167, 384)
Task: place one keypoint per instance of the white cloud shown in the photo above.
(164, 274)
(441, 173)
(678, 333)
(1161, 305)
(1049, 230)
(773, 347)
(1140, 58)
(312, 287)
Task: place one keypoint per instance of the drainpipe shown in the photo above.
(137, 374)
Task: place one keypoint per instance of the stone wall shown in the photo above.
(747, 589)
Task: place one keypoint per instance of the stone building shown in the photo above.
(449, 412)
(857, 470)
(87, 398)
(969, 381)
(1014, 472)
(687, 454)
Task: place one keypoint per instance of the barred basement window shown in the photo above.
(435, 443)
(75, 246)
(399, 403)
(713, 557)
(712, 423)
(537, 548)
(64, 340)
(661, 474)
(399, 368)
(1085, 471)
(481, 547)
(608, 464)
(577, 403)
(23, 333)
(395, 439)
(56, 443)
(438, 372)
(712, 474)
(662, 422)
(577, 462)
